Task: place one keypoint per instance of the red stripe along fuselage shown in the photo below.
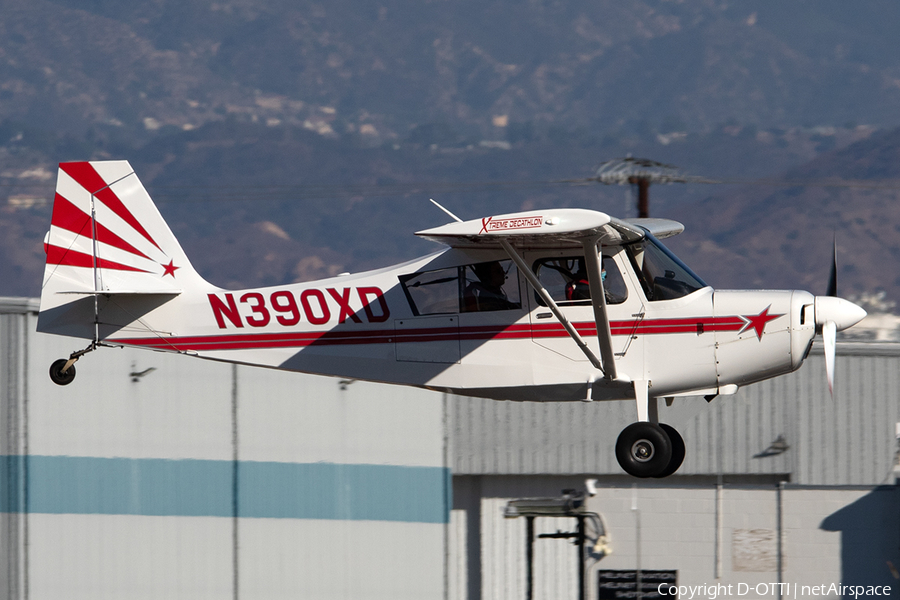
(302, 339)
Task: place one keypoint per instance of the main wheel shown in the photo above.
(56, 374)
(643, 449)
(677, 450)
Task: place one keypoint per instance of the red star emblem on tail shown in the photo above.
(758, 322)
(170, 269)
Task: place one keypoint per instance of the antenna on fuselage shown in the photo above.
(641, 172)
(454, 217)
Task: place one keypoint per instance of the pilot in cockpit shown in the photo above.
(487, 292)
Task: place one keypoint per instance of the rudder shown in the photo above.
(107, 237)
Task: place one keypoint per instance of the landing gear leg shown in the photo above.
(646, 406)
(62, 371)
(643, 448)
(649, 448)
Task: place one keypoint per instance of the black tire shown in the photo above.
(677, 450)
(56, 374)
(643, 449)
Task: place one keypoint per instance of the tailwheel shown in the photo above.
(62, 371)
(643, 449)
(677, 450)
(60, 374)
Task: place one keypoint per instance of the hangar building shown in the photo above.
(155, 475)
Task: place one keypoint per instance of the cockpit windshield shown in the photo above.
(661, 274)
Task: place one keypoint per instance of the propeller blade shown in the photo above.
(833, 315)
(829, 336)
(832, 281)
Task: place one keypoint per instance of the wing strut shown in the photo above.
(554, 308)
(598, 300)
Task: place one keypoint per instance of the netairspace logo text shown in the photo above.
(785, 590)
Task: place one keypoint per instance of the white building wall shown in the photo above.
(291, 418)
(128, 556)
(206, 480)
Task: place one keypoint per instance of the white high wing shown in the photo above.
(544, 305)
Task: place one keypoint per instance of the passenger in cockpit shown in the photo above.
(578, 287)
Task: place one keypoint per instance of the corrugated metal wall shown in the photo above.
(13, 444)
(849, 440)
(160, 476)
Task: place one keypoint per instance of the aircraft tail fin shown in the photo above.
(108, 238)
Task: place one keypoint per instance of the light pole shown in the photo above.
(641, 172)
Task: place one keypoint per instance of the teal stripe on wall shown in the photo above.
(149, 486)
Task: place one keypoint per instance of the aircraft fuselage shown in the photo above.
(366, 326)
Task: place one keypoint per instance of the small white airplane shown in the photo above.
(543, 305)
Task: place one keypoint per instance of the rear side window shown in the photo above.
(433, 292)
(480, 287)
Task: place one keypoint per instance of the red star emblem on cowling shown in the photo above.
(170, 269)
(758, 322)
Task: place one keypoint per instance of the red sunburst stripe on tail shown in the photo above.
(73, 258)
(71, 218)
(85, 174)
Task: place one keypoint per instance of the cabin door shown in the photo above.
(561, 272)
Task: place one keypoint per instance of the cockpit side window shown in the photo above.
(566, 280)
(480, 287)
(662, 275)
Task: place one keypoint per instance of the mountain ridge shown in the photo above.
(394, 65)
(335, 123)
